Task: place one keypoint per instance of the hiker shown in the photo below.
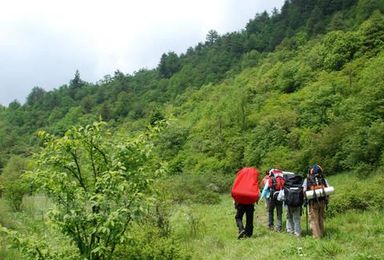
(294, 199)
(248, 210)
(273, 186)
(317, 204)
(265, 179)
(263, 182)
(245, 192)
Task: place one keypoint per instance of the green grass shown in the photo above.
(31, 222)
(6, 220)
(209, 232)
(354, 235)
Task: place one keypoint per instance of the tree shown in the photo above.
(337, 22)
(372, 32)
(36, 96)
(212, 37)
(315, 23)
(75, 85)
(99, 185)
(169, 64)
(76, 82)
(338, 49)
(365, 8)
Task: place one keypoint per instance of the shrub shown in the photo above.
(97, 183)
(5, 216)
(190, 189)
(14, 185)
(146, 242)
(357, 194)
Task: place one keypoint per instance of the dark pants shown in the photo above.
(248, 209)
(274, 203)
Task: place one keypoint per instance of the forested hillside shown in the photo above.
(304, 84)
(309, 61)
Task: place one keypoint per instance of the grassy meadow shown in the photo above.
(354, 235)
(208, 231)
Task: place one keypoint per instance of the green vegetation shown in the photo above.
(299, 86)
(350, 233)
(208, 231)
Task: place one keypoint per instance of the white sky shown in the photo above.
(43, 42)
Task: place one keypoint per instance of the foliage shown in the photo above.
(189, 189)
(284, 51)
(5, 214)
(99, 185)
(169, 64)
(14, 186)
(358, 195)
(35, 248)
(148, 245)
(216, 230)
(196, 227)
(301, 85)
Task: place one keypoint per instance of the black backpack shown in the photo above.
(293, 190)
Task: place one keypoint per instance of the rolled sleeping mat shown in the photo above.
(319, 192)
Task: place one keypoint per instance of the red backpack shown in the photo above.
(276, 181)
(245, 189)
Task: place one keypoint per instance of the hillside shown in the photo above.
(303, 85)
(233, 81)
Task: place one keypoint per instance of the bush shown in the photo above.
(5, 216)
(356, 194)
(96, 182)
(14, 185)
(191, 189)
(221, 182)
(147, 242)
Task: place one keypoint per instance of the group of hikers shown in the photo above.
(282, 189)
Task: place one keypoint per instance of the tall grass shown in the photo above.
(7, 220)
(30, 220)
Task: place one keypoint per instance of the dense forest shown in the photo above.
(300, 85)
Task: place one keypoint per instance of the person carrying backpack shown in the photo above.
(263, 182)
(245, 193)
(273, 186)
(294, 199)
(315, 181)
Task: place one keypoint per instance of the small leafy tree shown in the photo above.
(99, 184)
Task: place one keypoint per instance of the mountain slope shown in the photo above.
(235, 100)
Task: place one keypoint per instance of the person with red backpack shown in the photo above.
(245, 193)
(274, 185)
(314, 182)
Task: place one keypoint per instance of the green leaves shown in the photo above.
(99, 184)
(12, 182)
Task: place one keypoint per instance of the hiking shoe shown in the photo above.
(242, 234)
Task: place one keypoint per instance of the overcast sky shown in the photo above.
(43, 42)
